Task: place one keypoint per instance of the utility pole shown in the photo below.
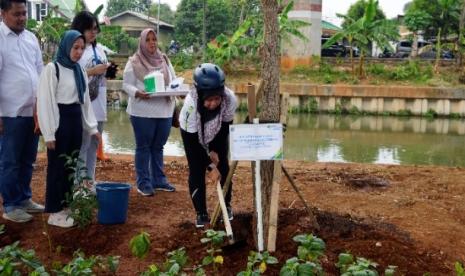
(204, 31)
(158, 18)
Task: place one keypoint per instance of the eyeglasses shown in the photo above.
(94, 29)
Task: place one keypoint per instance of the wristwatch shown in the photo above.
(211, 167)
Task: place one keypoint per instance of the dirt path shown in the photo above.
(409, 216)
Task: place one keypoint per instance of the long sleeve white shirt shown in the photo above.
(52, 92)
(99, 105)
(155, 107)
(20, 67)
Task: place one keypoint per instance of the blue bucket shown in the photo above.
(112, 201)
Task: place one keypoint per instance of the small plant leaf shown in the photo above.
(207, 260)
(140, 245)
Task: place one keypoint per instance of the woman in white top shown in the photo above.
(204, 119)
(95, 62)
(150, 116)
(64, 112)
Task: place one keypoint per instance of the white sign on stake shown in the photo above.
(256, 142)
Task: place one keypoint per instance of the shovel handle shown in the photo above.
(227, 223)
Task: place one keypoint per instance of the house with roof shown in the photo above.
(329, 29)
(133, 23)
(38, 9)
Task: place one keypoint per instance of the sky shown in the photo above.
(391, 8)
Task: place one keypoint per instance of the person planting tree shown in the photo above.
(205, 117)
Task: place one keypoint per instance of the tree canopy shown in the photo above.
(443, 14)
(357, 10)
(189, 20)
(117, 6)
(166, 14)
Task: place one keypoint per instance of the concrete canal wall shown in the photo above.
(402, 100)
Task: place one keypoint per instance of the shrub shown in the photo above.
(301, 69)
(376, 69)
(182, 61)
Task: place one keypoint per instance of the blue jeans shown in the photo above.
(88, 151)
(151, 135)
(18, 153)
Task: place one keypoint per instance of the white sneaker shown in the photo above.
(17, 215)
(61, 219)
(31, 207)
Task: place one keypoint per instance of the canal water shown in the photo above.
(328, 138)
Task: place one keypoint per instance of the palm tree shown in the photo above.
(367, 30)
(349, 32)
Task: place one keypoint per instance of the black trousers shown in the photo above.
(68, 139)
(198, 160)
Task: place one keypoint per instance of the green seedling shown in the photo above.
(140, 245)
(177, 258)
(349, 266)
(173, 266)
(295, 267)
(214, 240)
(257, 263)
(390, 270)
(81, 201)
(307, 262)
(14, 261)
(93, 265)
(2, 228)
(459, 270)
(310, 247)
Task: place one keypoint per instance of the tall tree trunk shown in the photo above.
(438, 51)
(241, 17)
(361, 60)
(461, 36)
(414, 46)
(352, 56)
(270, 102)
(204, 30)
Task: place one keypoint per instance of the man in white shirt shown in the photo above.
(20, 66)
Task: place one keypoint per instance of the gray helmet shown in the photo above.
(208, 76)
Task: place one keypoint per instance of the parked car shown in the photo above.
(335, 50)
(386, 54)
(355, 50)
(431, 54)
(404, 48)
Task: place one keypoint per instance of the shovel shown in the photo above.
(227, 223)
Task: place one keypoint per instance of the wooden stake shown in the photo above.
(313, 220)
(274, 198)
(274, 208)
(259, 91)
(227, 223)
(226, 187)
(251, 102)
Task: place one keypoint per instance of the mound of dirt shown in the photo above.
(415, 222)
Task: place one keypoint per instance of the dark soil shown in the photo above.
(413, 220)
